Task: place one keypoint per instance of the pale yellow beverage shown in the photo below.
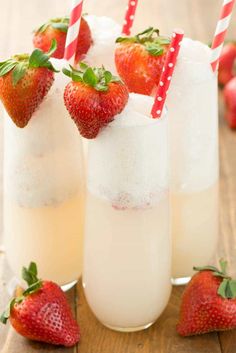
(44, 191)
(195, 225)
(127, 247)
(49, 236)
(127, 283)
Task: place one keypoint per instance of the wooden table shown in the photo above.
(198, 18)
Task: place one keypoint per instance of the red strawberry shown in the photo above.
(24, 82)
(140, 59)
(230, 102)
(57, 29)
(208, 302)
(42, 312)
(227, 62)
(93, 98)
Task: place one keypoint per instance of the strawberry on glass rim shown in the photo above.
(208, 302)
(24, 82)
(139, 60)
(93, 98)
(57, 28)
(41, 312)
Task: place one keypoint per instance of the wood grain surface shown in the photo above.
(198, 19)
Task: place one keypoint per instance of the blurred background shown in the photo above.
(18, 19)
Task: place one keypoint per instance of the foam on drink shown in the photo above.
(104, 33)
(127, 182)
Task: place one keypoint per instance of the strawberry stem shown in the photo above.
(150, 38)
(98, 78)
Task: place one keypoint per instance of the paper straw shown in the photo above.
(220, 33)
(73, 31)
(167, 72)
(129, 17)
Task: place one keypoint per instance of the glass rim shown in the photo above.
(152, 121)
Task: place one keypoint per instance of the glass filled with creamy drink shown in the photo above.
(193, 120)
(127, 250)
(44, 187)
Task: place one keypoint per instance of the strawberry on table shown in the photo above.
(42, 313)
(230, 103)
(227, 63)
(93, 98)
(140, 59)
(24, 82)
(208, 302)
(57, 28)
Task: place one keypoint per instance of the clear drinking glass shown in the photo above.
(127, 253)
(44, 191)
(193, 117)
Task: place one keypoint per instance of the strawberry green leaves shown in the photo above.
(40, 59)
(150, 39)
(19, 64)
(6, 314)
(7, 66)
(30, 276)
(19, 72)
(99, 78)
(227, 288)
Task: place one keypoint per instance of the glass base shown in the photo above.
(14, 282)
(180, 281)
(68, 286)
(129, 329)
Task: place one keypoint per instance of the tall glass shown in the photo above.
(44, 191)
(127, 253)
(193, 112)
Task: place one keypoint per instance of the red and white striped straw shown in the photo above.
(129, 17)
(167, 73)
(220, 33)
(73, 31)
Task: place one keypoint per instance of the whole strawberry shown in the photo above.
(230, 103)
(24, 82)
(93, 98)
(227, 63)
(208, 302)
(42, 313)
(140, 59)
(57, 28)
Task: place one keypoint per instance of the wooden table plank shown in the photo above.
(227, 245)
(198, 18)
(160, 338)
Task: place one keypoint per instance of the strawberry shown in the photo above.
(42, 313)
(140, 59)
(57, 29)
(230, 102)
(93, 98)
(208, 302)
(227, 63)
(24, 82)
